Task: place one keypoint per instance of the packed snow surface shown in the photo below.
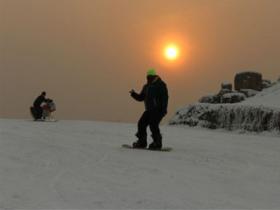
(81, 165)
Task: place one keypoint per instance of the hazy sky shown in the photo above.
(87, 54)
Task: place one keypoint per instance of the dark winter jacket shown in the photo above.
(154, 95)
(39, 100)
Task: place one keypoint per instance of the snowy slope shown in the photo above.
(269, 97)
(80, 165)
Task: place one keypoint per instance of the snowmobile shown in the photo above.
(48, 108)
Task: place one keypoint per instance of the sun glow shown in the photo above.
(171, 52)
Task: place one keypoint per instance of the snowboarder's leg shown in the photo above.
(142, 131)
(154, 127)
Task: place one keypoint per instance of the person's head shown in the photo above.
(151, 75)
(43, 93)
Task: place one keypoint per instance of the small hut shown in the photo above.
(248, 80)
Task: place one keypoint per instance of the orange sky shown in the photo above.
(88, 54)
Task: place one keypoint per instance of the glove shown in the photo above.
(132, 92)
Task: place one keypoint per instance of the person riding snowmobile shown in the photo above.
(37, 110)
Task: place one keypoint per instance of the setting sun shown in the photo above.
(171, 52)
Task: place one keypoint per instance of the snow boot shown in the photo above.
(142, 141)
(157, 143)
(155, 146)
(139, 144)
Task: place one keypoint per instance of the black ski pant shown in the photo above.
(151, 119)
(38, 112)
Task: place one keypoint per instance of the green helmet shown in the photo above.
(151, 72)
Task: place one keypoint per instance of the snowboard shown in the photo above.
(163, 149)
(46, 120)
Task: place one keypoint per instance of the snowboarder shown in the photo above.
(37, 109)
(155, 96)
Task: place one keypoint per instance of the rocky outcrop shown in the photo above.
(248, 80)
(230, 117)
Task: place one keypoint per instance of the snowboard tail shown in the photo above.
(163, 149)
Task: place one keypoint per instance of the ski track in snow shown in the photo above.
(81, 165)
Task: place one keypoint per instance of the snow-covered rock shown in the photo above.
(266, 83)
(258, 113)
(226, 85)
(233, 97)
(230, 117)
(208, 99)
(249, 92)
